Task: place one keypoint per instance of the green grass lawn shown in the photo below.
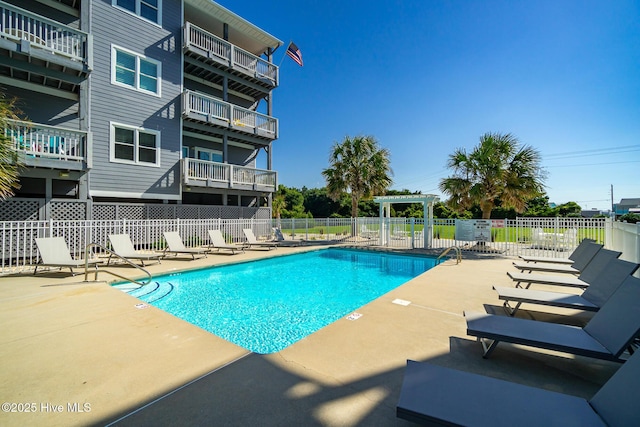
(505, 234)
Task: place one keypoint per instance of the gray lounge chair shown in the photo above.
(435, 395)
(177, 247)
(588, 274)
(218, 242)
(54, 252)
(123, 246)
(569, 260)
(252, 241)
(587, 253)
(594, 297)
(605, 336)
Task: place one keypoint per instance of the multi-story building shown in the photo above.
(162, 102)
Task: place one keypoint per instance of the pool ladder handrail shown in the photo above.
(112, 253)
(458, 254)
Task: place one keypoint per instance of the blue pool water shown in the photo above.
(267, 305)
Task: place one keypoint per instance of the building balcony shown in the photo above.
(211, 58)
(36, 48)
(215, 112)
(52, 147)
(202, 173)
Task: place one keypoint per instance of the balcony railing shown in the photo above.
(227, 174)
(212, 109)
(19, 24)
(230, 54)
(51, 142)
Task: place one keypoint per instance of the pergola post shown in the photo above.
(427, 201)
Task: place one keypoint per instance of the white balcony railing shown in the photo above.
(237, 117)
(202, 170)
(19, 24)
(234, 56)
(52, 142)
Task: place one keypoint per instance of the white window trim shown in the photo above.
(137, 12)
(112, 145)
(114, 50)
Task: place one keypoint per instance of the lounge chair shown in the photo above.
(368, 233)
(177, 247)
(594, 297)
(218, 242)
(122, 246)
(54, 252)
(252, 241)
(606, 336)
(569, 260)
(435, 395)
(588, 274)
(586, 254)
(279, 238)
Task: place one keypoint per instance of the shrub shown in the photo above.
(629, 217)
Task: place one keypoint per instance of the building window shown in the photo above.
(135, 71)
(147, 9)
(208, 155)
(134, 145)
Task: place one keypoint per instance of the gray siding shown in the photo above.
(111, 103)
(45, 109)
(237, 155)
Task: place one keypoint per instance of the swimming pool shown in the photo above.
(267, 305)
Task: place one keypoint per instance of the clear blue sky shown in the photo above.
(427, 77)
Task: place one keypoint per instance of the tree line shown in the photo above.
(291, 202)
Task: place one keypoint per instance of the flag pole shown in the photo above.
(285, 54)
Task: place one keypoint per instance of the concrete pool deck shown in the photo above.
(77, 353)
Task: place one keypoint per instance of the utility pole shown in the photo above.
(613, 212)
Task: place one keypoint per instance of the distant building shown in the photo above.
(626, 206)
(591, 213)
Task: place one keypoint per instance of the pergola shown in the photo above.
(427, 201)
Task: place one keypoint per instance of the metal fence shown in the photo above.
(521, 236)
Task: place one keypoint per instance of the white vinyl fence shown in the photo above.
(512, 237)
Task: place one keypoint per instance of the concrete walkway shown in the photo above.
(75, 353)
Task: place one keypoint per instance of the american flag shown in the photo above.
(294, 53)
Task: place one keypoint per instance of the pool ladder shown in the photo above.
(458, 254)
(112, 253)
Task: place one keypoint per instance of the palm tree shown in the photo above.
(9, 161)
(497, 169)
(359, 166)
(278, 205)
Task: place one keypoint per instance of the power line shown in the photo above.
(592, 164)
(596, 151)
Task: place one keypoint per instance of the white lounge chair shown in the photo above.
(284, 242)
(176, 246)
(123, 246)
(368, 233)
(218, 242)
(54, 252)
(252, 241)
